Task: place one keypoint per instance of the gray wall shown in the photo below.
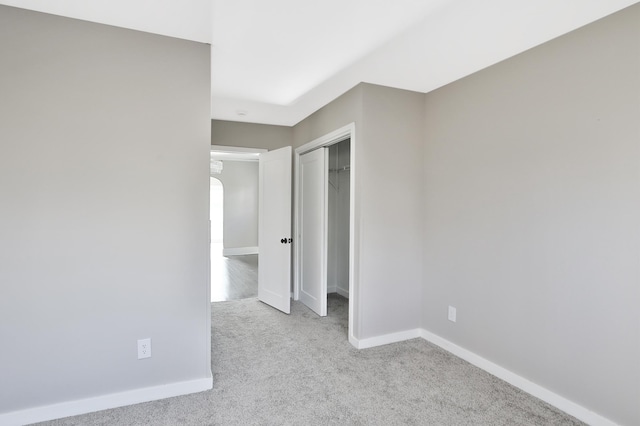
(250, 135)
(104, 151)
(390, 175)
(342, 111)
(532, 215)
(240, 182)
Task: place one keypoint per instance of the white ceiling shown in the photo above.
(277, 61)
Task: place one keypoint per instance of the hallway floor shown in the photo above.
(233, 277)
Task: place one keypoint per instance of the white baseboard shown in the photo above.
(520, 382)
(239, 251)
(342, 292)
(569, 407)
(338, 290)
(385, 339)
(104, 402)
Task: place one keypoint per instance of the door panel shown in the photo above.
(313, 224)
(274, 227)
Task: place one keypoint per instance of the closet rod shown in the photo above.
(341, 169)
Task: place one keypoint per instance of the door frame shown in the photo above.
(339, 135)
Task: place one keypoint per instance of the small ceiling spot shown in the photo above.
(242, 112)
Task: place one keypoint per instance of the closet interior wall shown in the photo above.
(338, 218)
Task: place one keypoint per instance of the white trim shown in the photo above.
(520, 382)
(324, 272)
(345, 132)
(235, 158)
(207, 319)
(354, 240)
(104, 402)
(239, 251)
(224, 148)
(568, 406)
(235, 153)
(342, 292)
(329, 139)
(386, 339)
(296, 225)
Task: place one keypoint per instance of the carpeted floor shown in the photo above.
(299, 369)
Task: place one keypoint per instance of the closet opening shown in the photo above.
(338, 205)
(325, 235)
(324, 217)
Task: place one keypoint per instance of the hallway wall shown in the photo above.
(250, 135)
(240, 181)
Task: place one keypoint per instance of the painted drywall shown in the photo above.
(240, 223)
(342, 111)
(390, 169)
(338, 218)
(250, 135)
(532, 215)
(104, 139)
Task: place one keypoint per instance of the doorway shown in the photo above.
(234, 224)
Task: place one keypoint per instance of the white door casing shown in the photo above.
(313, 224)
(274, 228)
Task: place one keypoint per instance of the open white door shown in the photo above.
(274, 228)
(313, 224)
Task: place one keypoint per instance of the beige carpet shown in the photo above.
(299, 369)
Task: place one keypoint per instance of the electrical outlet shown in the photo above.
(452, 314)
(144, 348)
